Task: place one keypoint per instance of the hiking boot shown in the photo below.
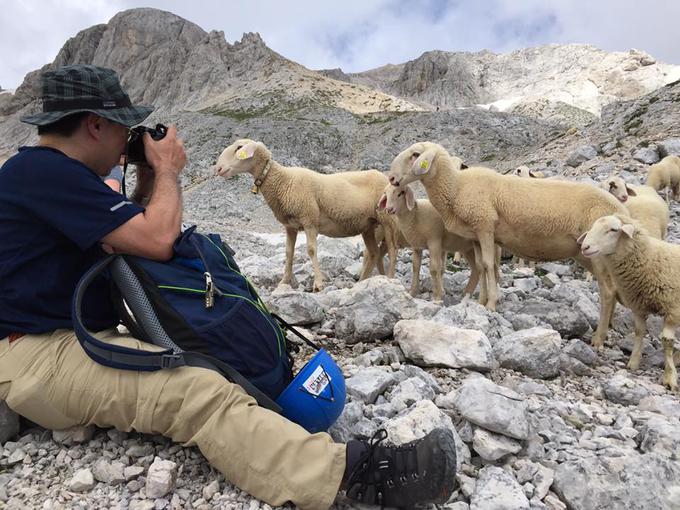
(422, 471)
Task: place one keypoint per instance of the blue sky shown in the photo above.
(357, 35)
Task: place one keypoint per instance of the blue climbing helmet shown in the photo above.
(315, 398)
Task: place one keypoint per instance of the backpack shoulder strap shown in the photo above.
(128, 358)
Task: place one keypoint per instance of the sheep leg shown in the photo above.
(483, 295)
(488, 248)
(415, 277)
(640, 330)
(456, 257)
(616, 299)
(291, 238)
(670, 375)
(371, 255)
(607, 303)
(391, 240)
(497, 268)
(382, 250)
(311, 233)
(474, 274)
(436, 272)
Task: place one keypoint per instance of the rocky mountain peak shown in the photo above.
(578, 76)
(251, 39)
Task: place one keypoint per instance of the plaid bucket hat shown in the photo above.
(85, 88)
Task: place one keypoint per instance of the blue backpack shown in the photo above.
(201, 309)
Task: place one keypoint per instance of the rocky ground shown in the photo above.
(541, 420)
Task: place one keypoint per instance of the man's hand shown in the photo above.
(152, 233)
(165, 156)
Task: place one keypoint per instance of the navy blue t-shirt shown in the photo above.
(53, 212)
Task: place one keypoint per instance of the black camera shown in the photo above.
(135, 144)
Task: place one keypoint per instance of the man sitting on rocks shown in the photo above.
(55, 215)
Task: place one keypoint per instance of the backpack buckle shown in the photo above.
(171, 361)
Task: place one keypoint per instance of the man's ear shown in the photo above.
(94, 125)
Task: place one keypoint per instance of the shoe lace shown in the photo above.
(383, 469)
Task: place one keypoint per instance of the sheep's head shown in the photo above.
(524, 171)
(604, 235)
(618, 187)
(415, 162)
(241, 156)
(395, 198)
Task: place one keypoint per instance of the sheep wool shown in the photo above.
(643, 203)
(646, 272)
(422, 228)
(538, 219)
(336, 205)
(665, 175)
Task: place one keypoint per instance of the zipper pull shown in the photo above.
(209, 290)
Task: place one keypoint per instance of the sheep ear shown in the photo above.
(463, 166)
(410, 199)
(423, 163)
(382, 203)
(246, 152)
(631, 191)
(532, 174)
(628, 229)
(580, 239)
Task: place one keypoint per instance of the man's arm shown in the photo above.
(152, 233)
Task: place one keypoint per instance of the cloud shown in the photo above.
(357, 35)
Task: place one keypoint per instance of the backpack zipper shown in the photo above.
(209, 290)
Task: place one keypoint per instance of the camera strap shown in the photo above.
(122, 182)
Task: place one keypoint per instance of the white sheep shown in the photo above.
(665, 175)
(336, 205)
(643, 203)
(646, 272)
(538, 219)
(525, 172)
(422, 228)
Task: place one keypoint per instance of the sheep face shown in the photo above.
(240, 157)
(413, 163)
(618, 187)
(395, 198)
(522, 171)
(604, 235)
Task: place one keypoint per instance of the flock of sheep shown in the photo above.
(615, 231)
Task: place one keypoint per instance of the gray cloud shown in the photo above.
(359, 34)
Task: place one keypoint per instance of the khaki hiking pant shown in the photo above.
(50, 380)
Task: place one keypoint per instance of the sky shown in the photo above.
(357, 35)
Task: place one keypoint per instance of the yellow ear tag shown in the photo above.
(422, 168)
(241, 154)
